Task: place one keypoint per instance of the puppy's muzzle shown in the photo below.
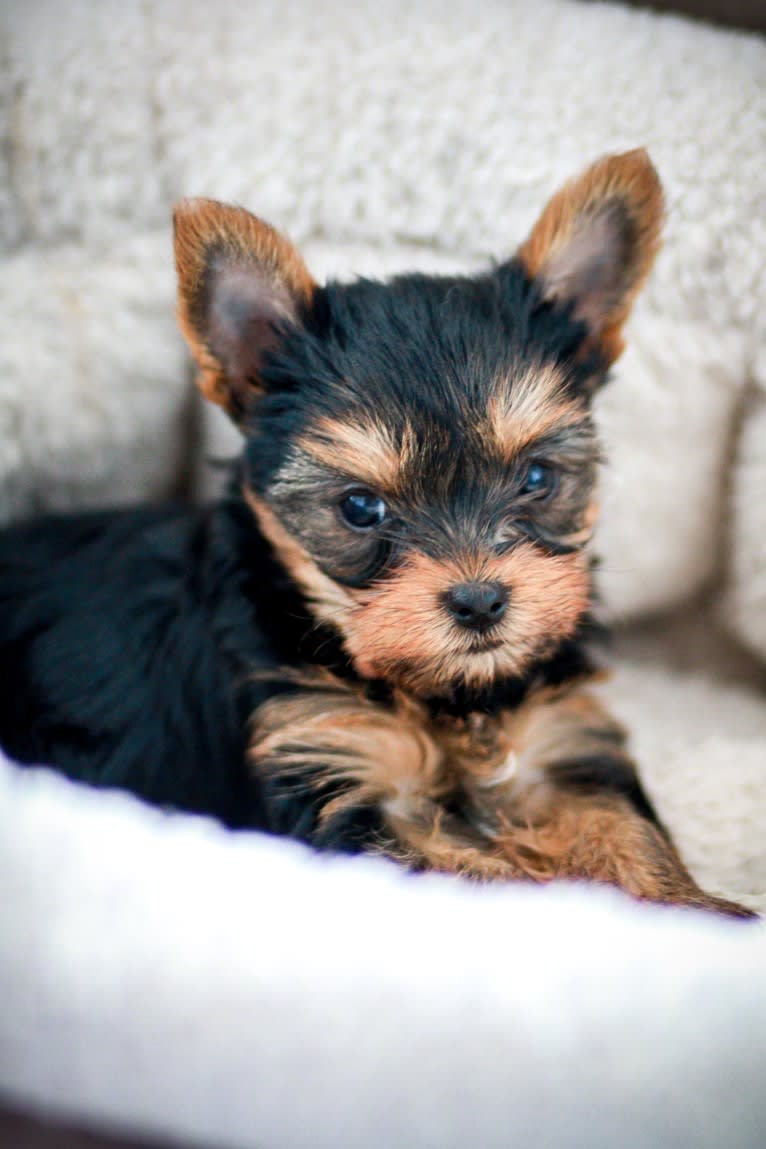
(477, 606)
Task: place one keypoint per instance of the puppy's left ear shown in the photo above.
(240, 284)
(595, 244)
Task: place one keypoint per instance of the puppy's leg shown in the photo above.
(574, 807)
(345, 773)
(547, 791)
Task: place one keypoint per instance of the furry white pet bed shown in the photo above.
(170, 978)
(162, 976)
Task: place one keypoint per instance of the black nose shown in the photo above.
(477, 605)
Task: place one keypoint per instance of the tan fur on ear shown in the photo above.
(596, 241)
(237, 277)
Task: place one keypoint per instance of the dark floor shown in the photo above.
(17, 1132)
(750, 14)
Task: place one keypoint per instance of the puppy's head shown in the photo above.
(420, 453)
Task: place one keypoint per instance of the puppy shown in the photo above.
(379, 639)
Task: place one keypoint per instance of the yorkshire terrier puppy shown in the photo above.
(378, 641)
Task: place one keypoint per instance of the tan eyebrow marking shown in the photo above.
(523, 409)
(366, 450)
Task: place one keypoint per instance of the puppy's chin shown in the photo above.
(441, 677)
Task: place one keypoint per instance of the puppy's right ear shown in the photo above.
(595, 244)
(240, 283)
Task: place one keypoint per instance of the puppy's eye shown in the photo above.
(538, 480)
(362, 510)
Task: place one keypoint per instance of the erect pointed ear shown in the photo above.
(239, 283)
(595, 244)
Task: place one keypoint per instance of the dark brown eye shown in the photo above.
(538, 480)
(362, 510)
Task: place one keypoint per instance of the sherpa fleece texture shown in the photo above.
(166, 977)
(439, 125)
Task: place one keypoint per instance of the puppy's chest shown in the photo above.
(346, 750)
(493, 767)
(478, 752)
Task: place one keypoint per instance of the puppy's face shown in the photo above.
(421, 454)
(429, 489)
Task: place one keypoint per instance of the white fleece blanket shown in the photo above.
(163, 976)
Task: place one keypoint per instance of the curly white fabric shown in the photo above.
(164, 977)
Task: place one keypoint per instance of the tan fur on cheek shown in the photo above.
(331, 602)
(549, 595)
(401, 631)
(583, 536)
